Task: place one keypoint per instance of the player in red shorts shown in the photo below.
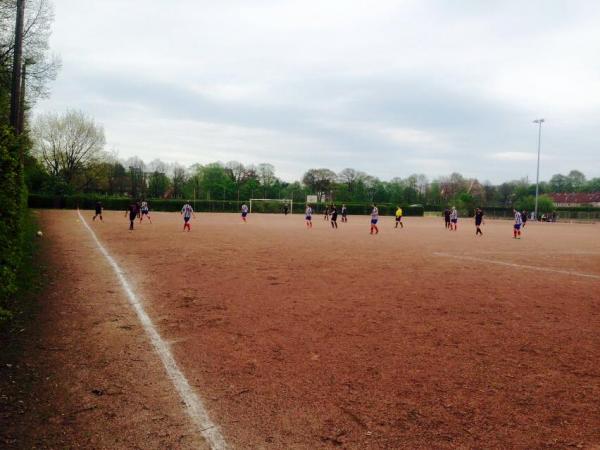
(374, 219)
(188, 212)
(517, 225)
(145, 211)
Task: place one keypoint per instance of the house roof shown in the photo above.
(575, 197)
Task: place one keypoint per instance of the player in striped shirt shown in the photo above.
(145, 211)
(308, 216)
(453, 219)
(518, 223)
(188, 212)
(374, 219)
(244, 212)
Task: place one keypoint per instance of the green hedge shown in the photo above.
(385, 209)
(121, 203)
(13, 210)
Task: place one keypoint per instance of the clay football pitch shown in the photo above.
(413, 338)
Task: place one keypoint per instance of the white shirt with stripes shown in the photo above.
(187, 210)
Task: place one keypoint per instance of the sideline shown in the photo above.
(194, 406)
(520, 266)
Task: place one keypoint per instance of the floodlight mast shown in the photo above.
(537, 178)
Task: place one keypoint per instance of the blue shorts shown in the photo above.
(374, 221)
(144, 211)
(309, 218)
(517, 226)
(244, 214)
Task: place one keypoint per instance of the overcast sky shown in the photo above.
(387, 87)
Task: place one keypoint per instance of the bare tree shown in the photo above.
(266, 176)
(179, 179)
(42, 66)
(351, 178)
(238, 174)
(319, 181)
(67, 143)
(156, 165)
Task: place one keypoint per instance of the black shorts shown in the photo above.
(98, 212)
(478, 222)
(186, 219)
(132, 216)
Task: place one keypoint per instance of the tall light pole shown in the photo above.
(537, 178)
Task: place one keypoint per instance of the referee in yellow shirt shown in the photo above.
(399, 217)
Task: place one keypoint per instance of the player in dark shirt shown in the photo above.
(447, 217)
(133, 211)
(286, 209)
(334, 215)
(478, 221)
(524, 217)
(98, 211)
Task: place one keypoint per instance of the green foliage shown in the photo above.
(545, 204)
(13, 197)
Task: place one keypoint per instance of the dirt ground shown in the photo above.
(305, 339)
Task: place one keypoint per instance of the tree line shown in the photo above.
(70, 159)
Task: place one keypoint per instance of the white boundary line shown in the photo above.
(520, 266)
(194, 406)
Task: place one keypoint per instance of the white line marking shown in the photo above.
(194, 405)
(520, 266)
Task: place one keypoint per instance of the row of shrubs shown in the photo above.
(13, 212)
(121, 204)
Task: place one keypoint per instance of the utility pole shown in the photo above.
(537, 178)
(21, 121)
(15, 93)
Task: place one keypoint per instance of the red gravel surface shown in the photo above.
(325, 338)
